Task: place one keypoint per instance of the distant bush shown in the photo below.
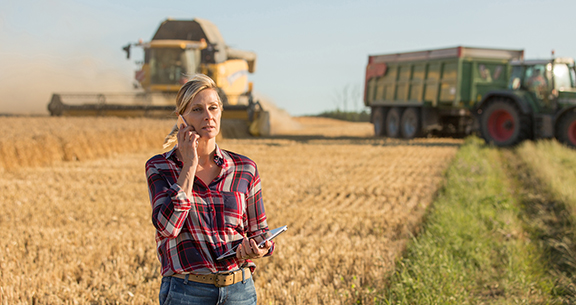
(363, 116)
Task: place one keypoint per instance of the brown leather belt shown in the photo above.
(218, 279)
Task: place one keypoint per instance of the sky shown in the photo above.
(309, 52)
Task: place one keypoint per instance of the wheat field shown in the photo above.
(77, 230)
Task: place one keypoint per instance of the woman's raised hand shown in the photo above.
(188, 144)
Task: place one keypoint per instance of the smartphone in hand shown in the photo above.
(181, 121)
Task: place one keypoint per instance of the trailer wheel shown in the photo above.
(378, 121)
(393, 123)
(502, 124)
(410, 123)
(566, 132)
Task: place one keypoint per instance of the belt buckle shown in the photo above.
(220, 279)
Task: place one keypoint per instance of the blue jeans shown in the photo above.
(173, 291)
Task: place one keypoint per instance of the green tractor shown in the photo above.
(540, 102)
(457, 91)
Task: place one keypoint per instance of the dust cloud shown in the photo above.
(27, 82)
(281, 122)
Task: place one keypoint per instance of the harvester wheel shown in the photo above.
(393, 122)
(222, 95)
(410, 123)
(378, 121)
(566, 131)
(502, 123)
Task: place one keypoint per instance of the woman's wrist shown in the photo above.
(190, 167)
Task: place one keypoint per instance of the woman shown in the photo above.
(205, 200)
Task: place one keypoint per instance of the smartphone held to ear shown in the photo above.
(181, 121)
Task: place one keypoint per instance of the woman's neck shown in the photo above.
(206, 150)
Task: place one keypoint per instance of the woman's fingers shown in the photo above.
(266, 247)
(242, 251)
(245, 249)
(194, 138)
(249, 249)
(188, 143)
(187, 135)
(261, 251)
(254, 248)
(183, 134)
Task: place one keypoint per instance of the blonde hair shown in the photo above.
(185, 95)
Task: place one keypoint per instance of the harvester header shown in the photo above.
(178, 49)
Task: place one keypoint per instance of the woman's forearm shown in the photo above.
(186, 178)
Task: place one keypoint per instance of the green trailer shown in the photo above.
(457, 91)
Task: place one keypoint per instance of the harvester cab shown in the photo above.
(179, 49)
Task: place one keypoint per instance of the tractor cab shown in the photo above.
(548, 81)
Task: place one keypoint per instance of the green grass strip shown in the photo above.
(555, 165)
(472, 249)
(547, 175)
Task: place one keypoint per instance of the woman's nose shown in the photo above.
(207, 115)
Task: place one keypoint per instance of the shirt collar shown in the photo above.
(169, 154)
(219, 158)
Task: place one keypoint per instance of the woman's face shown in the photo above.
(204, 113)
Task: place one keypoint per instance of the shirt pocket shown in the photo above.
(233, 207)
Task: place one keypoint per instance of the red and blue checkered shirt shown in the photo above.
(191, 232)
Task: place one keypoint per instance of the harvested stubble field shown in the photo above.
(79, 231)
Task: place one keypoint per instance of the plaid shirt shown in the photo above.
(191, 232)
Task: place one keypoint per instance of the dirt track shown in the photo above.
(348, 199)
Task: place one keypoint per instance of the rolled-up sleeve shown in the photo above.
(170, 205)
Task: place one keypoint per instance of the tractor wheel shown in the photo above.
(410, 123)
(393, 123)
(566, 129)
(378, 121)
(502, 124)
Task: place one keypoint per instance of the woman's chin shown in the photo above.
(209, 134)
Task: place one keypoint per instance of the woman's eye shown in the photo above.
(197, 109)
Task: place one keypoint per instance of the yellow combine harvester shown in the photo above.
(179, 49)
